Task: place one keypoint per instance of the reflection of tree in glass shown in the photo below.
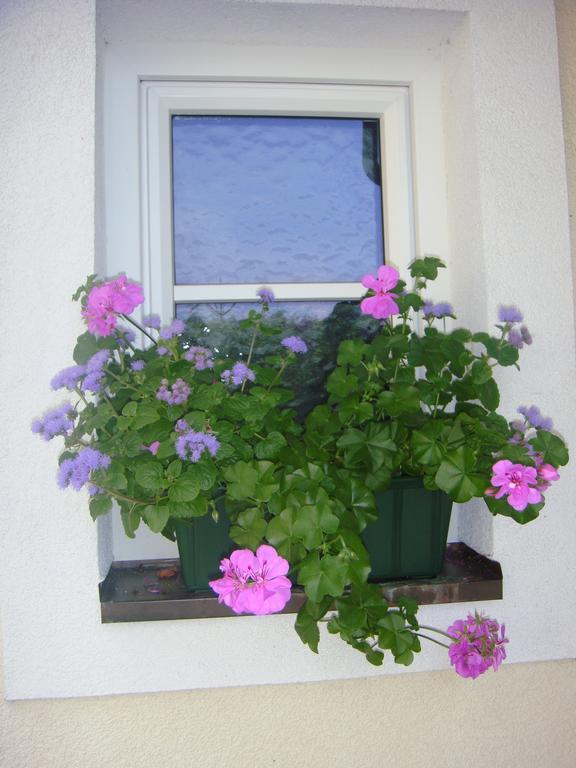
(222, 332)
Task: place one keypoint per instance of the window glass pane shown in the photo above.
(275, 199)
(323, 325)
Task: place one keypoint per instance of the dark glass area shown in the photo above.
(275, 199)
(322, 325)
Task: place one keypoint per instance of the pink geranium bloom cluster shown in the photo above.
(108, 300)
(254, 583)
(382, 304)
(520, 484)
(478, 645)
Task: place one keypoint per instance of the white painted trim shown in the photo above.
(282, 292)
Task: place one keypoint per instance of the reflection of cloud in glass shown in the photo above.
(275, 199)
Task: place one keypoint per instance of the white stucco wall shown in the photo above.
(510, 194)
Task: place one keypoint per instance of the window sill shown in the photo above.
(133, 591)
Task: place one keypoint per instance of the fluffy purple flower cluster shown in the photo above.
(478, 645)
(515, 336)
(88, 377)
(239, 374)
(137, 365)
(68, 378)
(191, 445)
(200, 357)
(295, 344)
(440, 310)
(95, 371)
(535, 418)
(169, 331)
(509, 314)
(173, 395)
(266, 295)
(54, 422)
(152, 321)
(76, 472)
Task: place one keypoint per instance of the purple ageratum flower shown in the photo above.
(515, 338)
(295, 344)
(160, 350)
(440, 310)
(137, 365)
(200, 357)
(515, 481)
(239, 374)
(191, 445)
(76, 472)
(54, 422)
(152, 321)
(509, 314)
(182, 426)
(478, 645)
(534, 417)
(169, 331)
(176, 394)
(92, 382)
(254, 583)
(125, 336)
(68, 377)
(526, 335)
(266, 295)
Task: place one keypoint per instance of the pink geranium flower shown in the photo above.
(515, 481)
(478, 645)
(382, 304)
(106, 301)
(254, 583)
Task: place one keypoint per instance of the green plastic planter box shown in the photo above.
(202, 543)
(409, 538)
(406, 542)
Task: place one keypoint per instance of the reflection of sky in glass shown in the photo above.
(275, 199)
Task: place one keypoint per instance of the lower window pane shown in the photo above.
(322, 325)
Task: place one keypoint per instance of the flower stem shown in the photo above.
(136, 325)
(433, 629)
(432, 640)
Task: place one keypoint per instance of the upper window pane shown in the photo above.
(275, 199)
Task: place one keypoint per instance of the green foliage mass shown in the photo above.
(298, 465)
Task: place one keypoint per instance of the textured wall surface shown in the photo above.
(521, 717)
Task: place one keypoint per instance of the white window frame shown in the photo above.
(160, 100)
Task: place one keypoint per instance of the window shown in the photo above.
(302, 187)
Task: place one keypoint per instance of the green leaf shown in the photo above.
(249, 529)
(100, 504)
(312, 522)
(186, 488)
(489, 395)
(155, 516)
(427, 267)
(270, 446)
(321, 577)
(458, 476)
(340, 384)
(426, 444)
(551, 447)
(242, 480)
(352, 351)
(87, 345)
(146, 413)
(400, 398)
(130, 520)
(501, 507)
(307, 629)
(150, 476)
